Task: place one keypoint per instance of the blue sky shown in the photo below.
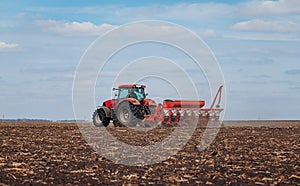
(257, 44)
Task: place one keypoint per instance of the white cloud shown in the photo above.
(270, 7)
(8, 47)
(176, 11)
(74, 28)
(209, 33)
(259, 25)
(183, 11)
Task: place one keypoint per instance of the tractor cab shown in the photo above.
(135, 91)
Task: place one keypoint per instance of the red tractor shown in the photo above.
(130, 106)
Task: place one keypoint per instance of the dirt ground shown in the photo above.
(255, 153)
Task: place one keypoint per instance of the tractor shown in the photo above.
(131, 106)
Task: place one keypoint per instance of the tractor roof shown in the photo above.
(131, 85)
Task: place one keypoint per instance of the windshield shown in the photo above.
(123, 93)
(137, 93)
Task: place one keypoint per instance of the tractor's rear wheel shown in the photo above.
(100, 119)
(127, 114)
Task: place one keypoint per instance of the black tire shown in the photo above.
(100, 119)
(128, 114)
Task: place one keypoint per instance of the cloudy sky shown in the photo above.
(257, 44)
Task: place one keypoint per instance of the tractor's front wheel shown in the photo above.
(100, 119)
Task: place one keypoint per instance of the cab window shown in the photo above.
(123, 93)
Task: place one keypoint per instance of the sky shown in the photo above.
(256, 43)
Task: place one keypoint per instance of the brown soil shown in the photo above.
(56, 153)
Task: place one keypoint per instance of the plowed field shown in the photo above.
(260, 153)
